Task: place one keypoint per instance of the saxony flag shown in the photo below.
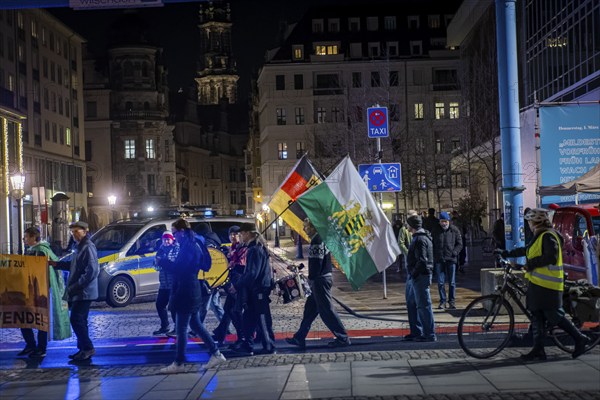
(302, 177)
(351, 224)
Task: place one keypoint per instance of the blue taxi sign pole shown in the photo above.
(377, 128)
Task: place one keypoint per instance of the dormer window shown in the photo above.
(317, 26)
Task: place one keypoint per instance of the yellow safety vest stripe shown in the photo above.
(550, 276)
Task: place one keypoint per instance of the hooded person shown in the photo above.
(447, 244)
(419, 270)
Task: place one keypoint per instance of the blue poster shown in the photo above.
(569, 146)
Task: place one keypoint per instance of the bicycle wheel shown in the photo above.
(566, 343)
(486, 326)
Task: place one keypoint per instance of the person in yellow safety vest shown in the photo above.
(544, 271)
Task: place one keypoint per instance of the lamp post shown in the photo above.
(276, 232)
(18, 191)
(112, 200)
(266, 210)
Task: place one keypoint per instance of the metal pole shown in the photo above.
(508, 88)
(381, 205)
(21, 224)
(276, 232)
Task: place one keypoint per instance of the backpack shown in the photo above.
(205, 259)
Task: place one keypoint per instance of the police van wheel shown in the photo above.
(120, 292)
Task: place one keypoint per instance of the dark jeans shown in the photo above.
(446, 272)
(183, 320)
(29, 337)
(418, 305)
(79, 321)
(320, 303)
(162, 299)
(257, 318)
(232, 315)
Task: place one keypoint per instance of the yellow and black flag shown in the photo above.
(303, 177)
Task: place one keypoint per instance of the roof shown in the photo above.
(587, 183)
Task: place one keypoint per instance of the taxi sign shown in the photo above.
(377, 119)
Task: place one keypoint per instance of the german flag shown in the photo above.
(302, 177)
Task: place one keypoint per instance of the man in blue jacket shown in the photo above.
(447, 244)
(257, 281)
(82, 287)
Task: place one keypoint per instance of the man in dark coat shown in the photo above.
(320, 302)
(82, 287)
(430, 221)
(447, 244)
(419, 271)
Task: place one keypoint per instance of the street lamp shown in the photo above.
(112, 200)
(18, 191)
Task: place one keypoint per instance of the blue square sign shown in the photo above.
(377, 119)
(383, 177)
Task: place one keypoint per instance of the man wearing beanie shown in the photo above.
(418, 279)
(447, 244)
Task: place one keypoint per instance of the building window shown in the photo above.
(416, 48)
(453, 111)
(279, 82)
(298, 52)
(233, 197)
(413, 22)
(168, 184)
(440, 177)
(299, 115)
(418, 110)
(131, 182)
(393, 78)
(300, 149)
(337, 114)
(232, 174)
(326, 50)
(282, 153)
(375, 79)
(392, 49)
(439, 146)
(333, 25)
(151, 184)
(317, 26)
(68, 136)
(439, 110)
(394, 112)
(54, 133)
(60, 105)
(167, 151)
(356, 79)
(90, 109)
(457, 181)
(455, 144)
(321, 115)
(47, 130)
(53, 102)
(298, 81)
(389, 23)
(420, 145)
(150, 151)
(129, 149)
(421, 179)
(67, 108)
(354, 24)
(61, 134)
(374, 49)
(281, 119)
(372, 23)
(355, 50)
(46, 99)
(433, 21)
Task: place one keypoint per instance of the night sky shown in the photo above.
(255, 29)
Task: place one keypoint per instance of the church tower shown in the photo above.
(217, 75)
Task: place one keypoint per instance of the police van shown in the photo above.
(126, 251)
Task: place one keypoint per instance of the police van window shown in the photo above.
(150, 240)
(114, 237)
(221, 228)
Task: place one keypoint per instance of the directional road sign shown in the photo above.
(384, 177)
(377, 118)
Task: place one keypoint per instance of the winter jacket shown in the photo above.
(404, 239)
(257, 275)
(420, 254)
(447, 244)
(165, 277)
(42, 249)
(319, 258)
(83, 272)
(186, 292)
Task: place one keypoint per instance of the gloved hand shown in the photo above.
(501, 253)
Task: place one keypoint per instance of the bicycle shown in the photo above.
(489, 322)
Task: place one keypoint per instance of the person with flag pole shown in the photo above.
(320, 302)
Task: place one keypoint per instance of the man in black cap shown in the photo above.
(257, 281)
(82, 287)
(419, 271)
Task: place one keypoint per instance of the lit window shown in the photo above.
(150, 152)
(281, 118)
(439, 146)
(68, 136)
(324, 50)
(299, 115)
(439, 110)
(321, 115)
(282, 153)
(298, 52)
(129, 149)
(300, 149)
(453, 111)
(34, 29)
